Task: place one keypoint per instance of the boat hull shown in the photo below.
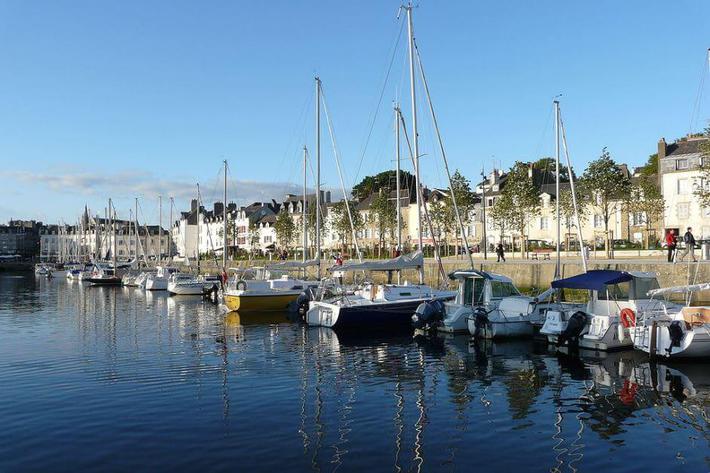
(393, 315)
(193, 289)
(114, 281)
(260, 302)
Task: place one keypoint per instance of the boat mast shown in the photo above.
(398, 185)
(415, 133)
(160, 229)
(170, 231)
(557, 184)
(198, 228)
(318, 175)
(303, 208)
(224, 224)
(397, 158)
(137, 232)
(112, 214)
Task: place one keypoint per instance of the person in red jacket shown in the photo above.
(670, 243)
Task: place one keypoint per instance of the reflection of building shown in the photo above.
(679, 176)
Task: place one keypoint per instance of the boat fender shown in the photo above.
(241, 285)
(628, 318)
(675, 331)
(576, 324)
(429, 314)
(480, 320)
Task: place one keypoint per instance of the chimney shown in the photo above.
(493, 177)
(193, 205)
(662, 147)
(218, 209)
(327, 197)
(530, 170)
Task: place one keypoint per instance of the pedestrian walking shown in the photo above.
(689, 241)
(500, 252)
(670, 244)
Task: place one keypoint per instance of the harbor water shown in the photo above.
(118, 379)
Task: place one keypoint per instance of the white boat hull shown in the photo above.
(694, 344)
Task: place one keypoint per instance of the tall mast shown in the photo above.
(112, 215)
(415, 133)
(557, 184)
(397, 148)
(138, 233)
(303, 208)
(483, 201)
(318, 174)
(198, 228)
(160, 228)
(170, 230)
(224, 227)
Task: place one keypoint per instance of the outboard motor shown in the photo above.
(576, 324)
(675, 331)
(212, 294)
(480, 320)
(428, 315)
(303, 302)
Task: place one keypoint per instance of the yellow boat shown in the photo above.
(258, 301)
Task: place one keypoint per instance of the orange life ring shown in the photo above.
(628, 318)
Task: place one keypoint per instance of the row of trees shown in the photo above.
(604, 187)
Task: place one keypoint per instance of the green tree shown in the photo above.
(702, 190)
(441, 219)
(519, 202)
(465, 200)
(311, 224)
(645, 197)
(285, 229)
(340, 222)
(386, 179)
(651, 166)
(547, 166)
(607, 187)
(567, 209)
(384, 214)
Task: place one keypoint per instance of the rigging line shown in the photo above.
(379, 100)
(443, 156)
(340, 173)
(298, 129)
(423, 206)
(699, 95)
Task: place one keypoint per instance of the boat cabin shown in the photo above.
(480, 288)
(166, 271)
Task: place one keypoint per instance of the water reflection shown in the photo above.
(161, 372)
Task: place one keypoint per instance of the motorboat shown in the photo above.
(487, 305)
(187, 285)
(615, 300)
(267, 288)
(158, 281)
(674, 331)
(374, 306)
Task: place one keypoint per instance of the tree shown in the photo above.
(567, 209)
(702, 190)
(440, 218)
(465, 200)
(254, 237)
(548, 166)
(384, 214)
(285, 228)
(607, 187)
(340, 222)
(311, 224)
(645, 197)
(519, 202)
(651, 166)
(385, 179)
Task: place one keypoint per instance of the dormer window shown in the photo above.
(681, 164)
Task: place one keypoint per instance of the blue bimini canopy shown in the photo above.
(595, 280)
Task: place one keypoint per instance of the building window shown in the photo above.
(267, 238)
(681, 164)
(683, 210)
(637, 218)
(598, 221)
(683, 187)
(544, 223)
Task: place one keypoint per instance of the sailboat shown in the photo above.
(383, 305)
(104, 275)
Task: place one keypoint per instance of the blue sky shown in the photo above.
(136, 98)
